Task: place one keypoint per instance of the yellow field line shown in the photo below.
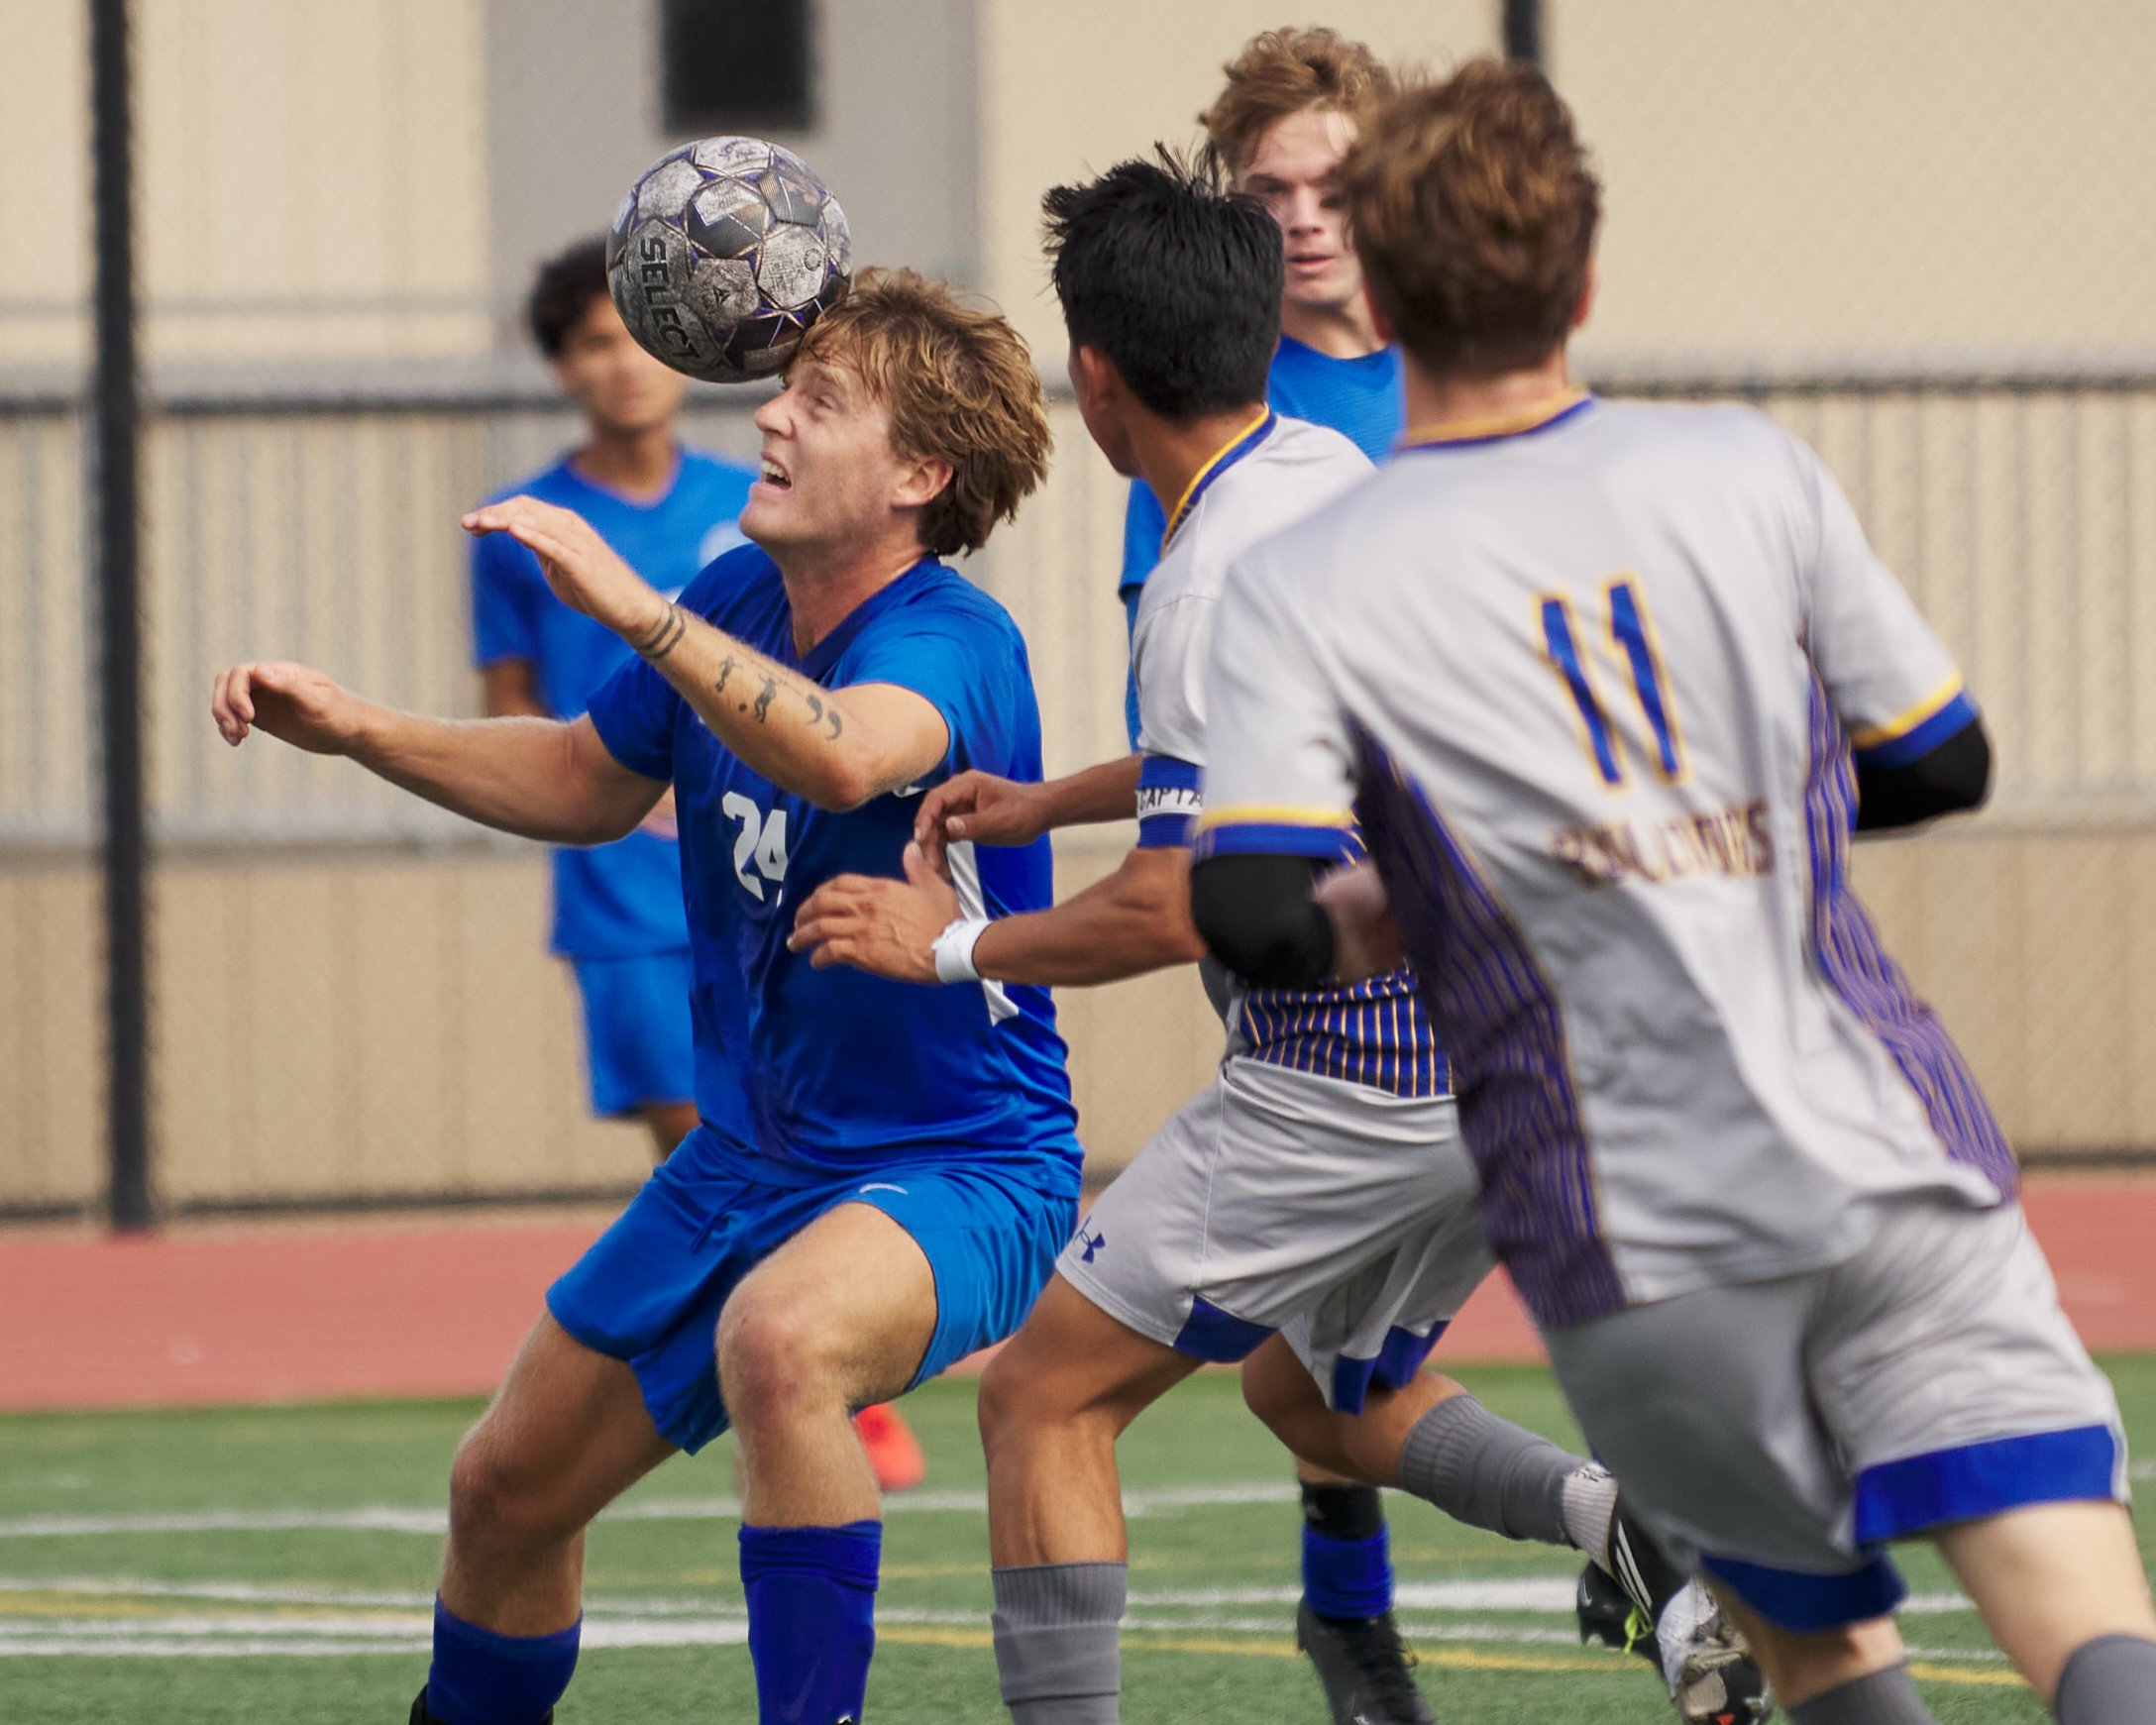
(1457, 1659)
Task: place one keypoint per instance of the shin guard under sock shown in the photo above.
(1346, 1553)
(478, 1677)
(1488, 1473)
(812, 1599)
(1055, 1642)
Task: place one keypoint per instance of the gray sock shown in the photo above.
(1885, 1697)
(1591, 1503)
(1055, 1642)
(2110, 1680)
(1489, 1472)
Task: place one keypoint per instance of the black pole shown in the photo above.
(116, 426)
(1523, 31)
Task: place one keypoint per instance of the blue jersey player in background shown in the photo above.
(667, 511)
(882, 1175)
(1291, 106)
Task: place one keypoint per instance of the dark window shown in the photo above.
(736, 65)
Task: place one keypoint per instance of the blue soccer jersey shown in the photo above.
(623, 900)
(836, 1069)
(1360, 398)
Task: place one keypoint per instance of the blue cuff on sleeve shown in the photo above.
(1921, 738)
(1227, 835)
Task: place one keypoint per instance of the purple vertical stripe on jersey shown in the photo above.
(1857, 967)
(1374, 1033)
(1498, 1021)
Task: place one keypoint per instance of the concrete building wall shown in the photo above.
(894, 135)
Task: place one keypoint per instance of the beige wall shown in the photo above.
(45, 183)
(51, 1036)
(1845, 177)
(308, 180)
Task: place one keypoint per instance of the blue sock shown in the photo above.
(480, 1677)
(1346, 1552)
(811, 1596)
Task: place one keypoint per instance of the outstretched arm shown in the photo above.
(535, 777)
(981, 809)
(838, 748)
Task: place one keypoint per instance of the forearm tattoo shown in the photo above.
(663, 636)
(820, 711)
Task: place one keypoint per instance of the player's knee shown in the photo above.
(775, 1361)
(493, 1496)
(1010, 1400)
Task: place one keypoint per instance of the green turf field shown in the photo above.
(276, 1566)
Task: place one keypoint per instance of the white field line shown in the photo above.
(1536, 1595)
(410, 1519)
(414, 1519)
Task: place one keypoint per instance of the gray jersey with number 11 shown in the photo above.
(1597, 675)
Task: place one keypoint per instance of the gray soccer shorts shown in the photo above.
(1335, 1214)
(1786, 1430)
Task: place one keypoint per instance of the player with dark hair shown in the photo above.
(668, 511)
(881, 1178)
(1315, 1200)
(1611, 687)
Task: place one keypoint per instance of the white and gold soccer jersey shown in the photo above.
(1599, 677)
(1318, 1186)
(1592, 681)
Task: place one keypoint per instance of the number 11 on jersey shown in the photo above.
(1632, 635)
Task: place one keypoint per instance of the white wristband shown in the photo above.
(953, 949)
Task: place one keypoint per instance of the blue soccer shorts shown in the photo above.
(649, 1290)
(637, 1047)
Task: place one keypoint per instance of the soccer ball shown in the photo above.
(723, 253)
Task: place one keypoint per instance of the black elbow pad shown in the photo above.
(1954, 775)
(1257, 918)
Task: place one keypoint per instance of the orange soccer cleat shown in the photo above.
(894, 1452)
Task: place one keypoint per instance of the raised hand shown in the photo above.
(585, 573)
(884, 927)
(295, 703)
(982, 809)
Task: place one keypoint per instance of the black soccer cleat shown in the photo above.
(1606, 1614)
(420, 1715)
(1641, 1602)
(1364, 1669)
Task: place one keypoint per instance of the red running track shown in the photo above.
(202, 1318)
